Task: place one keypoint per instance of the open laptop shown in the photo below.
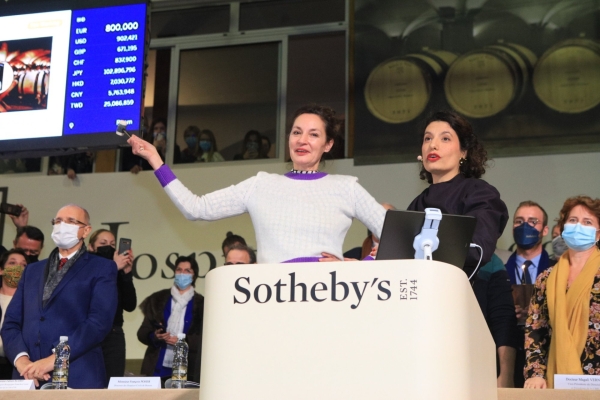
(400, 228)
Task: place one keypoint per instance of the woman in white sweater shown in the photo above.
(296, 216)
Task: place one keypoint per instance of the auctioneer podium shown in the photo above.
(407, 329)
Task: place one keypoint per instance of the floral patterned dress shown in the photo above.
(538, 331)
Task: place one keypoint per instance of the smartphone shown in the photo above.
(124, 245)
(11, 209)
(158, 326)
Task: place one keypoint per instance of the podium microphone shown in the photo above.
(419, 158)
(121, 128)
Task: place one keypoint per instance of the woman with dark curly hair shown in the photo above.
(562, 332)
(297, 216)
(453, 160)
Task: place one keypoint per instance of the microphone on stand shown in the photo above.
(121, 128)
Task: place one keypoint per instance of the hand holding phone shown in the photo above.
(124, 245)
(10, 209)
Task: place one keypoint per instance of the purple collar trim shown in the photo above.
(302, 259)
(305, 177)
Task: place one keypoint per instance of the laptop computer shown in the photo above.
(400, 228)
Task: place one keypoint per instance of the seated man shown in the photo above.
(72, 293)
(240, 254)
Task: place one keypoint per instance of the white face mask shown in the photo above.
(65, 235)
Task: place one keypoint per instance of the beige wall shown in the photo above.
(156, 226)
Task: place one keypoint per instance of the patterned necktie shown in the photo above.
(62, 263)
(526, 279)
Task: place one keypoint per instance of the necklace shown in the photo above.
(297, 171)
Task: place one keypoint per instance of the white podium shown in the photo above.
(346, 330)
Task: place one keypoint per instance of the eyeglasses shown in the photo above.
(530, 221)
(234, 263)
(69, 221)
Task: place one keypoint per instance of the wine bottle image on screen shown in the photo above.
(60, 376)
(180, 363)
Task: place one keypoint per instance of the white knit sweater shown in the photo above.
(292, 218)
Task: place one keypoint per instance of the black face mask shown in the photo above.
(107, 252)
(31, 258)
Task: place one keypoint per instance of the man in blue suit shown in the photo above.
(72, 293)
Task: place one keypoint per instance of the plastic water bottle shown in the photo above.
(60, 376)
(180, 363)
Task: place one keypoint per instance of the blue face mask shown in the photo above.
(526, 236)
(205, 145)
(579, 237)
(182, 281)
(191, 142)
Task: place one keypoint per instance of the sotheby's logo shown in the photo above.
(289, 290)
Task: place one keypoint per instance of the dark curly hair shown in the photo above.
(327, 114)
(476, 159)
(593, 205)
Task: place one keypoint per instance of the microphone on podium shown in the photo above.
(419, 158)
(121, 128)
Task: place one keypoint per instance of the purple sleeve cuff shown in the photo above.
(165, 175)
(368, 258)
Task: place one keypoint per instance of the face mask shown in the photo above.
(205, 145)
(579, 237)
(12, 274)
(182, 281)
(526, 236)
(252, 146)
(31, 258)
(191, 142)
(65, 235)
(558, 246)
(158, 136)
(107, 252)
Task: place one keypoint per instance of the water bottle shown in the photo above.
(60, 376)
(180, 363)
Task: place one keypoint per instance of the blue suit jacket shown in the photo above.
(81, 307)
(511, 265)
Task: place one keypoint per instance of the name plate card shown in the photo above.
(17, 384)
(135, 382)
(579, 382)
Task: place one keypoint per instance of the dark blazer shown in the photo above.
(81, 307)
(544, 264)
(153, 308)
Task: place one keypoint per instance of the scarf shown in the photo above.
(179, 302)
(54, 275)
(569, 313)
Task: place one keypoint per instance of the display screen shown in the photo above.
(68, 76)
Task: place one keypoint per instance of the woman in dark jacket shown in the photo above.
(169, 312)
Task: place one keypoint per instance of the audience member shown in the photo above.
(102, 243)
(72, 293)
(208, 145)
(529, 259)
(251, 147)
(265, 145)
(12, 264)
(191, 153)
(317, 206)
(562, 328)
(31, 240)
(12, 166)
(157, 134)
(240, 254)
(73, 164)
(230, 240)
(167, 313)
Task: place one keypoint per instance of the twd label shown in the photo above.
(292, 290)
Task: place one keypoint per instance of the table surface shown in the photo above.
(193, 394)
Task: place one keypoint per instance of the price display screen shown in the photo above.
(68, 75)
